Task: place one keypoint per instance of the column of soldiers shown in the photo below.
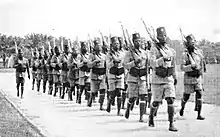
(125, 70)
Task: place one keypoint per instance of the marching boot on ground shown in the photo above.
(194, 66)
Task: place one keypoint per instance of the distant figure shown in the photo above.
(21, 66)
(4, 60)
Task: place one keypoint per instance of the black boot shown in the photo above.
(142, 110)
(109, 103)
(127, 112)
(132, 106)
(145, 107)
(123, 100)
(44, 86)
(89, 103)
(183, 103)
(38, 86)
(149, 99)
(55, 91)
(199, 107)
(156, 110)
(101, 100)
(70, 96)
(170, 118)
(151, 116)
(119, 106)
(137, 101)
(22, 91)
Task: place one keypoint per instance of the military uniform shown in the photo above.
(34, 69)
(21, 66)
(56, 72)
(40, 66)
(162, 61)
(45, 71)
(115, 72)
(84, 72)
(63, 76)
(73, 75)
(97, 63)
(50, 74)
(193, 77)
(136, 62)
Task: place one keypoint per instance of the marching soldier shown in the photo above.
(73, 74)
(98, 73)
(39, 65)
(162, 61)
(64, 70)
(45, 71)
(124, 90)
(49, 72)
(115, 73)
(192, 65)
(136, 61)
(21, 66)
(84, 72)
(56, 69)
(34, 68)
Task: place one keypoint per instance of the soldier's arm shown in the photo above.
(127, 62)
(183, 66)
(53, 63)
(109, 61)
(28, 71)
(153, 61)
(16, 64)
(91, 61)
(80, 61)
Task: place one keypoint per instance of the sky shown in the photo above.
(72, 18)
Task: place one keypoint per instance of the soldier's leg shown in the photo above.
(171, 111)
(44, 84)
(18, 85)
(22, 89)
(157, 93)
(79, 94)
(101, 98)
(184, 100)
(56, 88)
(130, 101)
(149, 97)
(87, 89)
(71, 89)
(38, 85)
(112, 95)
(94, 89)
(33, 80)
(119, 99)
(188, 89)
(124, 95)
(50, 87)
(199, 104)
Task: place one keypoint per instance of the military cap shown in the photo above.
(83, 44)
(20, 51)
(114, 39)
(96, 42)
(190, 37)
(161, 31)
(136, 36)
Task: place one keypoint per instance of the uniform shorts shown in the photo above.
(50, 77)
(20, 80)
(161, 91)
(136, 88)
(73, 82)
(63, 78)
(191, 88)
(84, 80)
(116, 83)
(56, 78)
(96, 85)
(34, 75)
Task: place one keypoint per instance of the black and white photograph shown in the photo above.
(109, 68)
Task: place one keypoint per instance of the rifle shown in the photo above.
(125, 39)
(184, 42)
(153, 38)
(104, 43)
